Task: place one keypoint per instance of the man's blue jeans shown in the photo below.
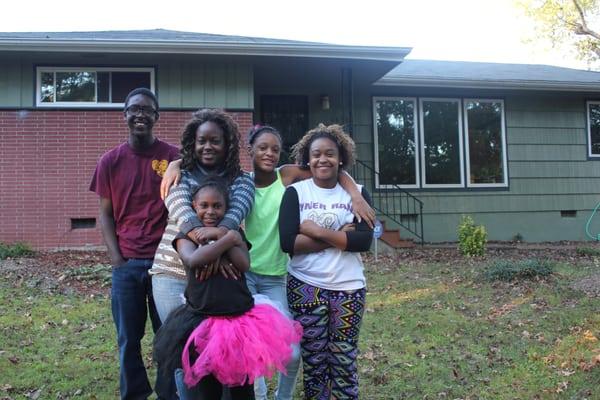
(131, 302)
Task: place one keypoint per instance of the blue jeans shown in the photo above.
(274, 287)
(168, 293)
(131, 302)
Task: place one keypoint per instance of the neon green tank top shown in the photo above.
(262, 231)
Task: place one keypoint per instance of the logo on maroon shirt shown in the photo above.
(160, 166)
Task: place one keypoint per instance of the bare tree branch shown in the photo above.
(581, 28)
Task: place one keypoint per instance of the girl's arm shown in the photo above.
(194, 256)
(238, 255)
(291, 239)
(352, 240)
(361, 209)
(337, 239)
(171, 178)
(179, 204)
(241, 199)
(309, 236)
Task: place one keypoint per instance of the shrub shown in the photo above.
(507, 270)
(588, 251)
(14, 250)
(471, 238)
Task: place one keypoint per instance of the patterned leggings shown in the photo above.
(331, 321)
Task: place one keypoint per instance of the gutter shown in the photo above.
(395, 54)
(566, 86)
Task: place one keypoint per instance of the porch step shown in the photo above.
(392, 238)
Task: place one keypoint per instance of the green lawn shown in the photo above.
(431, 331)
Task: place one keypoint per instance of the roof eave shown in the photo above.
(490, 84)
(396, 54)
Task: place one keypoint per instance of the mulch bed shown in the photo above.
(58, 271)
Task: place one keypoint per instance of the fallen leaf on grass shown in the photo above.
(589, 336)
(562, 387)
(6, 388)
(566, 372)
(34, 395)
(587, 366)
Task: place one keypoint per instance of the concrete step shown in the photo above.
(392, 238)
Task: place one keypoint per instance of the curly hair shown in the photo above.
(230, 132)
(345, 144)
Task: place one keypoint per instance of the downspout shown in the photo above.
(348, 99)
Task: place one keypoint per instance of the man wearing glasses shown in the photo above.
(132, 220)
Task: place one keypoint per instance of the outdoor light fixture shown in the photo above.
(324, 102)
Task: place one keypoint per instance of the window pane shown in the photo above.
(441, 142)
(103, 85)
(594, 112)
(125, 82)
(76, 86)
(484, 120)
(396, 141)
(47, 89)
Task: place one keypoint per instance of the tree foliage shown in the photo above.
(568, 22)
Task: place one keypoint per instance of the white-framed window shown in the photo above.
(441, 143)
(435, 142)
(485, 142)
(395, 129)
(593, 124)
(89, 86)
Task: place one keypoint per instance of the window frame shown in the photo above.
(415, 137)
(589, 129)
(503, 140)
(461, 163)
(79, 104)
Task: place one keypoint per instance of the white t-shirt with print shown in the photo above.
(332, 268)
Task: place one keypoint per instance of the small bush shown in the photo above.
(471, 238)
(507, 270)
(587, 251)
(14, 250)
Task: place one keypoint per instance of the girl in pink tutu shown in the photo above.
(222, 335)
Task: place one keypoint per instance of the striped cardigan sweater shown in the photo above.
(183, 218)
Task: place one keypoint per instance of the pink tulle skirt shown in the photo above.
(237, 350)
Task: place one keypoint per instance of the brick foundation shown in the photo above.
(47, 159)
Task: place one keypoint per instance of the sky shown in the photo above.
(465, 30)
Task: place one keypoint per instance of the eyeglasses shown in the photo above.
(135, 110)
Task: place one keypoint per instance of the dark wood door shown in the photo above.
(289, 115)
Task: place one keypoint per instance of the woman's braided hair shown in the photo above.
(231, 135)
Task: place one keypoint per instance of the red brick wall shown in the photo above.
(47, 159)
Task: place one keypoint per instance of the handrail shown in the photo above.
(396, 204)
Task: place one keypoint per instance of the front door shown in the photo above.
(289, 115)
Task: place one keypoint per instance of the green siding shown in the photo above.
(532, 226)
(548, 168)
(10, 82)
(181, 82)
(553, 136)
(557, 169)
(547, 152)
